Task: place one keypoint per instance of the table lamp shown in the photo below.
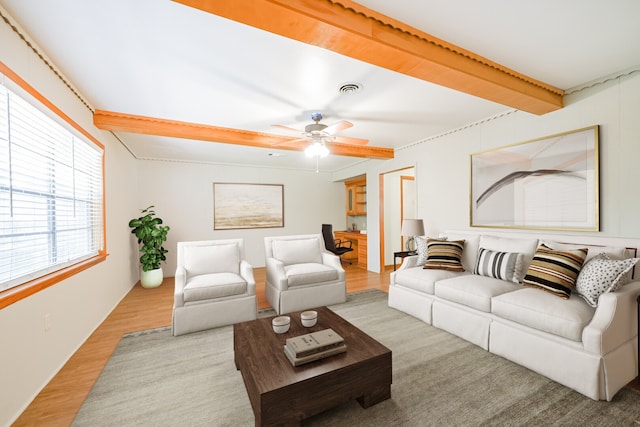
(410, 229)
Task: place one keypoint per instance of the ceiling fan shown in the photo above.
(320, 131)
(319, 134)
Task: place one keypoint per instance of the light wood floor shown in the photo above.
(141, 309)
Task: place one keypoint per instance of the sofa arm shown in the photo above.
(333, 261)
(246, 272)
(179, 280)
(276, 275)
(614, 322)
(407, 262)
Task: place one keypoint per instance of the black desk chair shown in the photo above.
(334, 245)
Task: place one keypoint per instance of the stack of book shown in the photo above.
(316, 345)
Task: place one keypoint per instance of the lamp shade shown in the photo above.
(412, 227)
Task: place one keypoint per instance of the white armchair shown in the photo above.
(214, 286)
(302, 274)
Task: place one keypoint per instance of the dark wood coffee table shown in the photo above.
(282, 394)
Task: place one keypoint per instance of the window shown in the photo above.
(51, 189)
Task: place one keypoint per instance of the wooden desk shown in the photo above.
(359, 245)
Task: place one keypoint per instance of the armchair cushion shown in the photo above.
(298, 251)
(212, 259)
(214, 285)
(309, 273)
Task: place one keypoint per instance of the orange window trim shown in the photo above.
(24, 290)
(19, 292)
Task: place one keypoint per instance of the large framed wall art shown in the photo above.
(548, 183)
(247, 205)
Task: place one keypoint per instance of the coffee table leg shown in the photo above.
(375, 395)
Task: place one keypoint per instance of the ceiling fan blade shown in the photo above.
(337, 127)
(352, 141)
(300, 142)
(286, 129)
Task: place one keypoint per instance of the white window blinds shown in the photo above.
(50, 193)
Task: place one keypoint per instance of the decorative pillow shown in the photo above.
(471, 244)
(555, 271)
(421, 248)
(444, 255)
(500, 265)
(525, 246)
(601, 275)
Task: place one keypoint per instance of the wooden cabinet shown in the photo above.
(356, 197)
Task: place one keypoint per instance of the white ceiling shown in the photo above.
(162, 59)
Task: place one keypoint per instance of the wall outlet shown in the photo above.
(47, 322)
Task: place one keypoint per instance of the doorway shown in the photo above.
(397, 202)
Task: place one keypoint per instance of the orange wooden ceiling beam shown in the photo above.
(353, 30)
(122, 122)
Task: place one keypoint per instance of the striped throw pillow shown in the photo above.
(555, 271)
(444, 255)
(500, 265)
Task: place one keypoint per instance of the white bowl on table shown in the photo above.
(281, 324)
(309, 318)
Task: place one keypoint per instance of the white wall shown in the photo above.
(442, 163)
(30, 357)
(182, 194)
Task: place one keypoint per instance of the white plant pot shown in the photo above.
(151, 278)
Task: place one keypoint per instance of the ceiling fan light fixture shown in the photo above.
(316, 149)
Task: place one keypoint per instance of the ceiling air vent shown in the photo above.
(350, 88)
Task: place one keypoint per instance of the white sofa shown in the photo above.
(591, 350)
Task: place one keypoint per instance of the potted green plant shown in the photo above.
(151, 235)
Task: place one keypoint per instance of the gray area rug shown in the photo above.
(155, 379)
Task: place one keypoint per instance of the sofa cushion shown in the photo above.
(212, 259)
(525, 246)
(543, 311)
(444, 254)
(602, 275)
(309, 273)
(555, 271)
(215, 285)
(473, 291)
(422, 280)
(297, 251)
(499, 265)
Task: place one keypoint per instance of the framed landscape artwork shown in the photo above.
(548, 183)
(247, 206)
